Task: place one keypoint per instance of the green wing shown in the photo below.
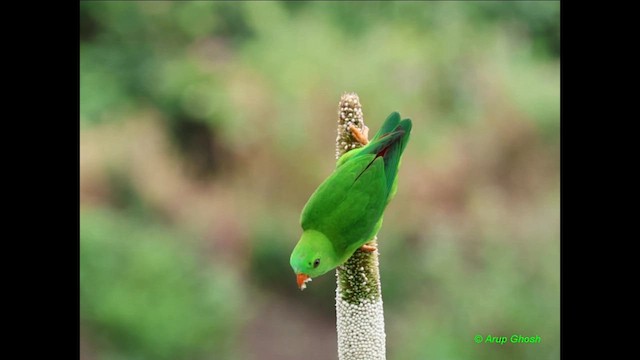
(389, 143)
(348, 206)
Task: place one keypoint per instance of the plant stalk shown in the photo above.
(359, 310)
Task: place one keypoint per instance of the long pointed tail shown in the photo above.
(389, 143)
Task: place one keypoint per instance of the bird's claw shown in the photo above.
(368, 248)
(360, 136)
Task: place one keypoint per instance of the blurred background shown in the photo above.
(205, 127)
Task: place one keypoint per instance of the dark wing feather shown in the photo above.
(389, 146)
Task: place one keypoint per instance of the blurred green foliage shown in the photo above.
(147, 296)
(206, 125)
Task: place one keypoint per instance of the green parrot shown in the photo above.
(345, 212)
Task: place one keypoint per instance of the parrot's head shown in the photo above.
(313, 256)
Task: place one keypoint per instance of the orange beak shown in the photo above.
(302, 279)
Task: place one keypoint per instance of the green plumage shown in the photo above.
(346, 210)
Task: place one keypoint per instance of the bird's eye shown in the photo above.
(316, 262)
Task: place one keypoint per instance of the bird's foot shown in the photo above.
(369, 248)
(360, 136)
